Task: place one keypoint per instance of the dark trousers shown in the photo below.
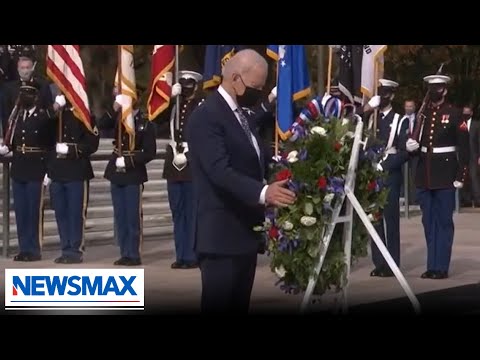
(180, 199)
(128, 214)
(437, 218)
(227, 282)
(70, 200)
(471, 190)
(389, 227)
(28, 205)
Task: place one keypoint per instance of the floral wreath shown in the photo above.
(315, 159)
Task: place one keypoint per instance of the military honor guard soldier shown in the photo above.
(176, 169)
(443, 151)
(30, 136)
(391, 131)
(70, 171)
(127, 173)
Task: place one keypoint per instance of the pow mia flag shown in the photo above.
(350, 72)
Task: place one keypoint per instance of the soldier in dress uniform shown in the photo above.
(391, 132)
(25, 69)
(441, 141)
(176, 169)
(30, 136)
(70, 171)
(127, 173)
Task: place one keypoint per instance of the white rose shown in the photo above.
(328, 198)
(287, 225)
(292, 156)
(308, 220)
(318, 130)
(370, 217)
(345, 121)
(280, 271)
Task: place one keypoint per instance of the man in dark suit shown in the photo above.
(470, 194)
(410, 117)
(228, 166)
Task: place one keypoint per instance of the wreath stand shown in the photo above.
(351, 206)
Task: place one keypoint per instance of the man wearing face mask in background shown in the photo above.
(390, 131)
(470, 194)
(410, 117)
(441, 142)
(176, 169)
(25, 69)
(230, 192)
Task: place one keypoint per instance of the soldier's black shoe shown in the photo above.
(68, 260)
(26, 257)
(121, 261)
(386, 272)
(376, 272)
(177, 265)
(190, 265)
(132, 262)
(427, 274)
(439, 275)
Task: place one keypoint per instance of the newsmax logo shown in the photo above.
(112, 289)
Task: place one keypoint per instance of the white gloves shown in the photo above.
(123, 100)
(458, 184)
(120, 162)
(412, 145)
(62, 148)
(176, 89)
(4, 150)
(379, 167)
(374, 102)
(46, 180)
(274, 92)
(60, 100)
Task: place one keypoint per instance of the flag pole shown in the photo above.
(119, 91)
(276, 116)
(375, 82)
(329, 74)
(177, 78)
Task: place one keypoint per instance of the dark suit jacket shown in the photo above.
(227, 180)
(474, 141)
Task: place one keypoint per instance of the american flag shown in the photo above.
(350, 71)
(65, 69)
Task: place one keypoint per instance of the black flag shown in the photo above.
(350, 72)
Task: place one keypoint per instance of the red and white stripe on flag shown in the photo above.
(65, 69)
(163, 59)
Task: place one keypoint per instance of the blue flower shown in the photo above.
(294, 186)
(336, 185)
(303, 155)
(328, 168)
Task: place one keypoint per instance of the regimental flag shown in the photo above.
(215, 58)
(127, 87)
(161, 78)
(350, 72)
(293, 82)
(65, 69)
(372, 54)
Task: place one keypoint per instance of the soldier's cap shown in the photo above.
(30, 87)
(187, 74)
(437, 79)
(388, 83)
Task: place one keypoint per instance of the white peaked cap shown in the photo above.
(437, 79)
(388, 83)
(187, 74)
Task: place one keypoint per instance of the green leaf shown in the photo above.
(313, 250)
(316, 200)
(308, 209)
(310, 235)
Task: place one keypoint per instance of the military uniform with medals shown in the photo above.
(70, 171)
(441, 142)
(30, 137)
(127, 173)
(176, 170)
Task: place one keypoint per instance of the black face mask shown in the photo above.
(249, 97)
(466, 116)
(187, 91)
(384, 102)
(27, 101)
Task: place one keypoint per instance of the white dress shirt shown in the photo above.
(469, 121)
(233, 105)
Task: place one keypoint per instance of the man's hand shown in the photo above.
(46, 181)
(278, 195)
(4, 150)
(373, 103)
(458, 184)
(60, 100)
(412, 145)
(62, 148)
(176, 89)
(120, 101)
(379, 167)
(120, 162)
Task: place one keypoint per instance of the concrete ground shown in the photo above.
(177, 290)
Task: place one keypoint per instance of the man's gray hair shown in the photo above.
(243, 61)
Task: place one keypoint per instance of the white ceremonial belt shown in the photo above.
(174, 144)
(440, 150)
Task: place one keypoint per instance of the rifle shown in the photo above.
(12, 124)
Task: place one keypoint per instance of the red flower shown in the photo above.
(371, 185)
(322, 183)
(337, 146)
(283, 175)
(377, 216)
(273, 232)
